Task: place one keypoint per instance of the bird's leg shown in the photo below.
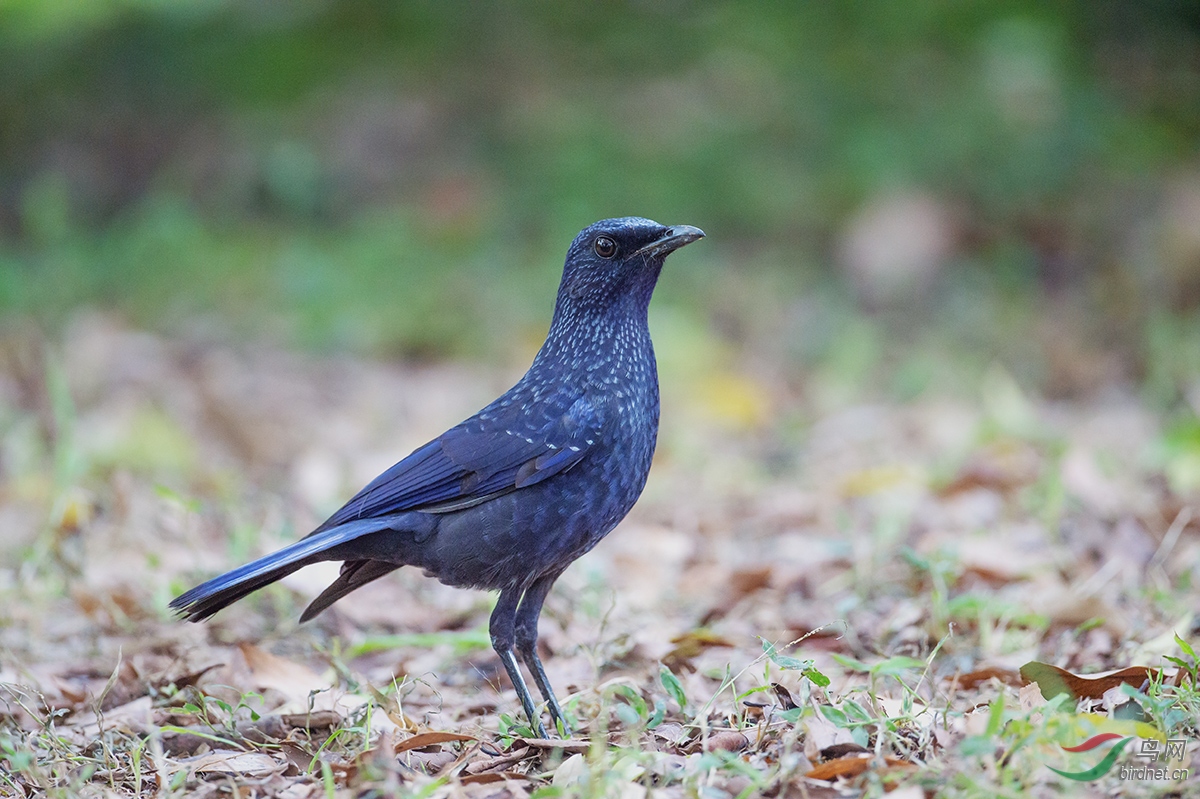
(526, 640)
(501, 627)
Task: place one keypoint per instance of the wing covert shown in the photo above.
(485, 456)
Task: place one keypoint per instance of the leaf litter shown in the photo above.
(919, 598)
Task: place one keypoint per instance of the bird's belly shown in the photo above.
(512, 540)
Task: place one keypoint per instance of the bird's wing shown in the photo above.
(487, 455)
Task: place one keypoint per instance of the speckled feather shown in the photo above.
(534, 480)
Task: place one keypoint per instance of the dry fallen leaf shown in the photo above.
(689, 645)
(852, 766)
(424, 739)
(1054, 681)
(726, 741)
(784, 696)
(1004, 466)
(838, 751)
(973, 679)
(485, 779)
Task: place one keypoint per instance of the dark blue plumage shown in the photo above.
(509, 498)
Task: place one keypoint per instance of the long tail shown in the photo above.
(207, 598)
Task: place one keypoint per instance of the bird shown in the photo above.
(509, 498)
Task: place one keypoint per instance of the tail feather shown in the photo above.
(207, 598)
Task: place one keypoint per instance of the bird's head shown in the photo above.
(617, 260)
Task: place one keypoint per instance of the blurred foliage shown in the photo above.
(402, 178)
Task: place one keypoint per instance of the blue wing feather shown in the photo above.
(478, 459)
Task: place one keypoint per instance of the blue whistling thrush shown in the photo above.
(512, 496)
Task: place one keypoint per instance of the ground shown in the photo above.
(816, 596)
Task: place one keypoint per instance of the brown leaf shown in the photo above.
(1052, 680)
(726, 741)
(851, 766)
(994, 577)
(484, 779)
(317, 720)
(974, 679)
(74, 693)
(784, 696)
(299, 758)
(193, 677)
(843, 750)
(746, 581)
(689, 645)
(1003, 467)
(424, 739)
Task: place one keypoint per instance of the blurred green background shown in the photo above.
(896, 194)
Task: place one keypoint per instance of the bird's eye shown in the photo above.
(605, 247)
